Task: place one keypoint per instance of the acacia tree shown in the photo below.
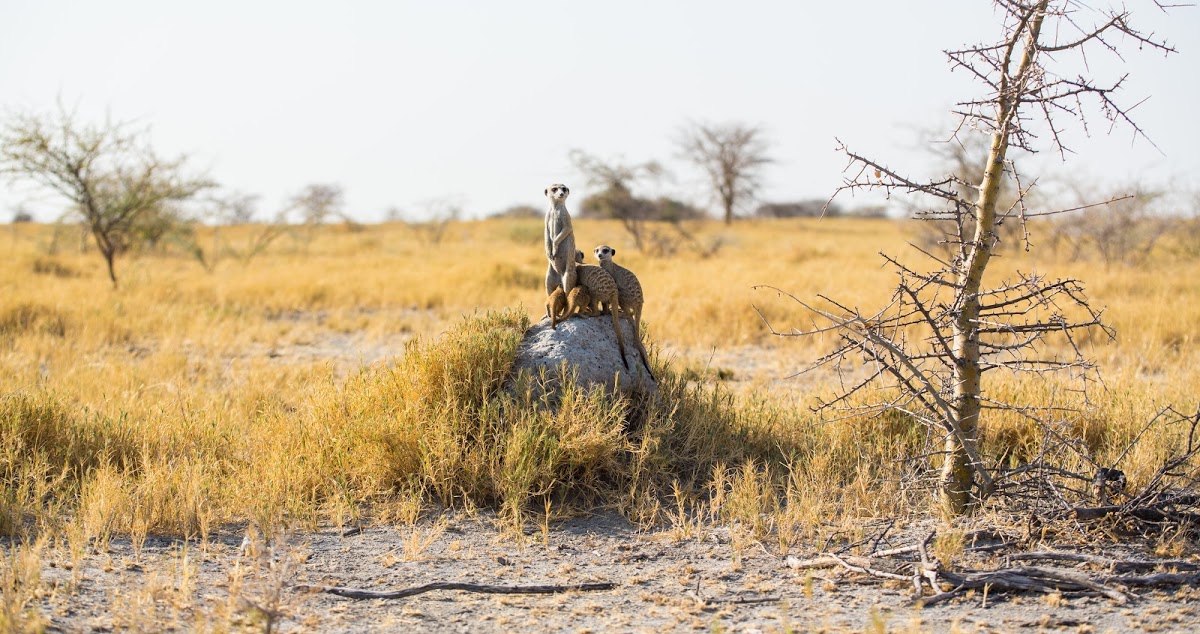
(732, 155)
(944, 329)
(615, 179)
(318, 202)
(107, 172)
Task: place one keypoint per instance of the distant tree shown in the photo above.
(518, 211)
(613, 174)
(615, 181)
(440, 213)
(732, 155)
(812, 208)
(107, 172)
(318, 202)
(1122, 230)
(616, 200)
(235, 208)
(20, 215)
(671, 210)
(159, 225)
(393, 214)
(868, 211)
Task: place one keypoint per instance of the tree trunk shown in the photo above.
(109, 256)
(727, 201)
(959, 471)
(107, 249)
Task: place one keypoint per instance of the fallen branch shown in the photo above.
(353, 593)
(882, 574)
(1153, 514)
(1159, 580)
(1116, 565)
(709, 601)
(1027, 579)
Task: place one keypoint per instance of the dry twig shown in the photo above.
(354, 593)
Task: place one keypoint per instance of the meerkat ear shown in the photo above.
(614, 251)
(546, 192)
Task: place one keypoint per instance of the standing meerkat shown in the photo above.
(560, 241)
(629, 294)
(598, 287)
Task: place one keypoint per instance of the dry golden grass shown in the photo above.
(188, 399)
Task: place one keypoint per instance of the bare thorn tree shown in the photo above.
(317, 203)
(616, 179)
(944, 329)
(107, 172)
(732, 155)
(440, 214)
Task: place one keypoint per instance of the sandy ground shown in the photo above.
(664, 582)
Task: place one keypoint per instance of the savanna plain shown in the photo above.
(184, 451)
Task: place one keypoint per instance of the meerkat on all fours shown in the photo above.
(629, 294)
(560, 241)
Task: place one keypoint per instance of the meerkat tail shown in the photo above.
(641, 348)
(612, 308)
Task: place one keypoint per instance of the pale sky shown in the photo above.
(478, 103)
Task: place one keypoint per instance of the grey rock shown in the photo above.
(586, 346)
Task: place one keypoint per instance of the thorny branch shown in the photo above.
(908, 342)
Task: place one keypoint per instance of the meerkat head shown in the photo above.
(557, 192)
(605, 252)
(579, 256)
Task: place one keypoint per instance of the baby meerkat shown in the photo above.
(579, 301)
(556, 306)
(599, 287)
(629, 294)
(560, 306)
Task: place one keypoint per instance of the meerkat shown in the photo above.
(556, 306)
(629, 295)
(579, 300)
(560, 241)
(599, 287)
(560, 305)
